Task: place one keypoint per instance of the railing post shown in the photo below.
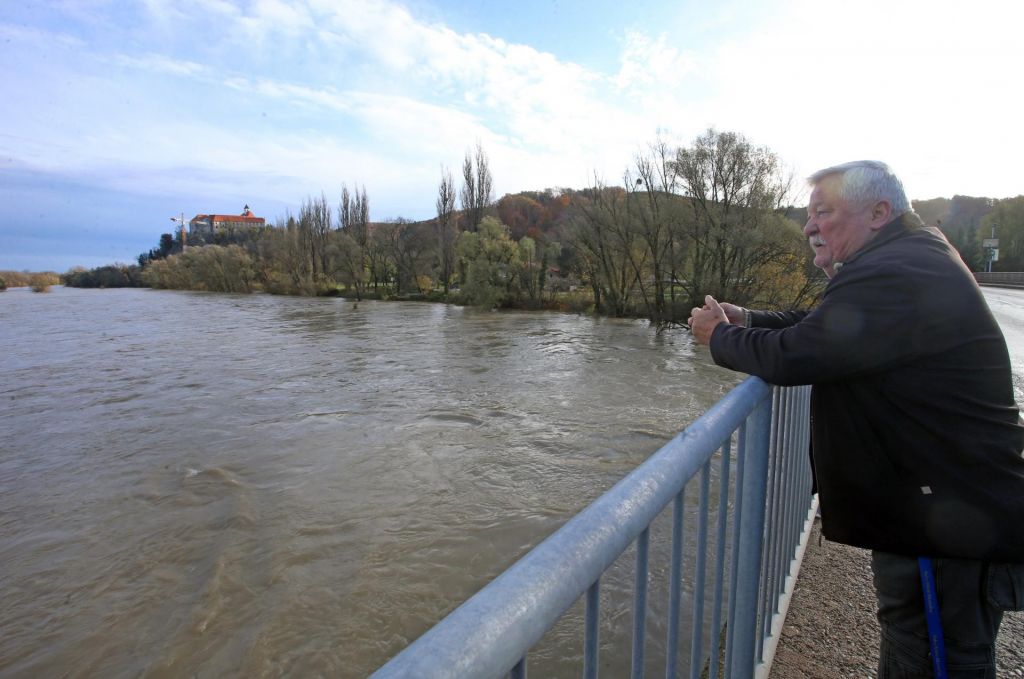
(751, 534)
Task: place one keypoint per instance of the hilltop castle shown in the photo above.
(207, 226)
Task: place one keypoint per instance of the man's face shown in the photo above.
(836, 229)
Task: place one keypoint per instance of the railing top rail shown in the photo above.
(491, 631)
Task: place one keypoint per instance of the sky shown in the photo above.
(118, 115)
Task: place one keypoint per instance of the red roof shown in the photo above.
(237, 218)
(244, 218)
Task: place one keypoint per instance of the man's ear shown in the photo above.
(881, 214)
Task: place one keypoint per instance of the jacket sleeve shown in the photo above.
(871, 318)
(775, 319)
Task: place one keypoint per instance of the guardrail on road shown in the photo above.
(1009, 279)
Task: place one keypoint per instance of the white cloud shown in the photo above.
(827, 81)
(269, 18)
(647, 63)
(25, 36)
(158, 63)
(362, 91)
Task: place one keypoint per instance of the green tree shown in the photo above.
(111, 276)
(531, 279)
(962, 225)
(1006, 220)
(491, 258)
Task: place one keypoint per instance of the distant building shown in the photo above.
(207, 226)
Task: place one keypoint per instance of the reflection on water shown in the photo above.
(210, 485)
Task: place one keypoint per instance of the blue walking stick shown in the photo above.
(931, 614)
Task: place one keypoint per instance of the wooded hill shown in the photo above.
(708, 218)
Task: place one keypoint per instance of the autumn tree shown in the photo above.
(522, 214)
(214, 268)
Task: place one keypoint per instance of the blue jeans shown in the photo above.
(971, 611)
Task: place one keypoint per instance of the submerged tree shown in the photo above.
(655, 216)
(215, 268)
(606, 246)
(688, 222)
(490, 258)
(735, 192)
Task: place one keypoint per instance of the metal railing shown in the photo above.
(1009, 279)
(755, 441)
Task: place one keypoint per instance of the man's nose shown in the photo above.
(810, 228)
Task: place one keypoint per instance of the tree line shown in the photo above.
(39, 281)
(968, 221)
(707, 217)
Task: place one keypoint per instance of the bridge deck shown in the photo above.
(831, 630)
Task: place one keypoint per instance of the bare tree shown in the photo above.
(445, 227)
(283, 260)
(605, 245)
(350, 254)
(476, 188)
(319, 216)
(410, 251)
(654, 211)
(306, 239)
(354, 214)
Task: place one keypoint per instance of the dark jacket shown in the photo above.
(916, 438)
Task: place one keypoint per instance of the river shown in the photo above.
(208, 485)
(204, 485)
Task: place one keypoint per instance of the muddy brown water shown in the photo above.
(210, 485)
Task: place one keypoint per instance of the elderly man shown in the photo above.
(916, 437)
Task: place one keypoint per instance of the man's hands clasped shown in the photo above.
(704, 320)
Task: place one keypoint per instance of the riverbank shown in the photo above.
(831, 630)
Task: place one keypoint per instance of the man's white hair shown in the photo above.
(863, 182)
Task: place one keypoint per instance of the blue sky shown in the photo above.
(118, 115)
